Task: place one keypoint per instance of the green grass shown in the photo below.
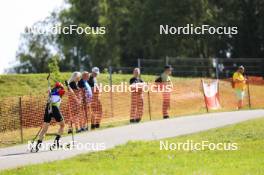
(146, 158)
(26, 84)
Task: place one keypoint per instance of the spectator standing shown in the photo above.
(96, 106)
(86, 96)
(75, 102)
(165, 81)
(137, 99)
(239, 84)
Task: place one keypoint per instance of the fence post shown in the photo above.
(248, 92)
(149, 105)
(167, 59)
(111, 91)
(139, 63)
(20, 119)
(216, 69)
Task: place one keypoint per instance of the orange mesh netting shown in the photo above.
(24, 114)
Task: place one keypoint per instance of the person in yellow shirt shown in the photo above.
(239, 82)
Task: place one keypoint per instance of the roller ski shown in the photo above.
(36, 148)
(56, 145)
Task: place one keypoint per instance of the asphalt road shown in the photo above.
(19, 155)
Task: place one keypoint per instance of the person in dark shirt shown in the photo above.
(83, 84)
(73, 85)
(96, 105)
(75, 102)
(86, 95)
(92, 80)
(137, 101)
(135, 80)
(165, 84)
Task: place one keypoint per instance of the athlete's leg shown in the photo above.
(42, 133)
(61, 129)
(59, 118)
(44, 130)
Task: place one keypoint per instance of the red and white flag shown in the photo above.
(211, 94)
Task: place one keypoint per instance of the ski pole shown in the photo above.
(33, 140)
(49, 97)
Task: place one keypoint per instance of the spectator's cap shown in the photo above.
(96, 70)
(168, 67)
(241, 67)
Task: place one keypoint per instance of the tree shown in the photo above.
(132, 31)
(36, 48)
(54, 67)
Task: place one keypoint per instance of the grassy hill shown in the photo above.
(25, 84)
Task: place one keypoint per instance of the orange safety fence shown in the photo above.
(21, 117)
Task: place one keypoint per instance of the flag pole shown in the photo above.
(207, 110)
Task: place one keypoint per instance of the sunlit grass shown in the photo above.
(147, 158)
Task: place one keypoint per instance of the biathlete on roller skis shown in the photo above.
(52, 111)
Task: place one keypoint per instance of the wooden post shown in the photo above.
(139, 63)
(249, 97)
(167, 60)
(149, 105)
(20, 119)
(216, 69)
(218, 92)
(111, 91)
(207, 110)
